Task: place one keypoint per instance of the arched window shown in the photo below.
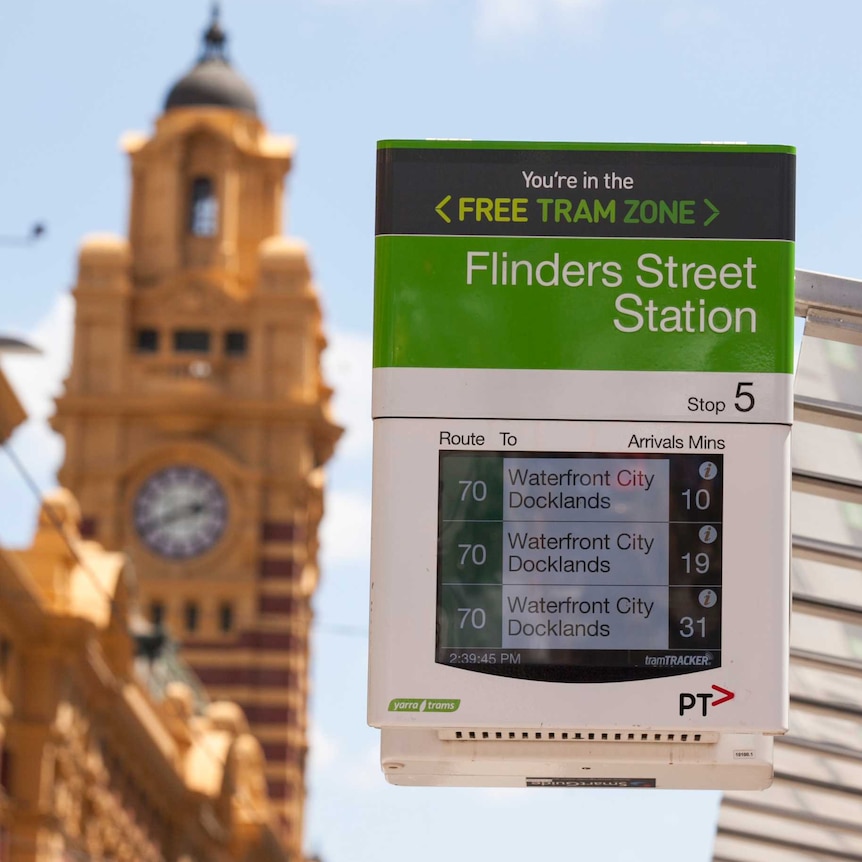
(203, 212)
(225, 617)
(157, 613)
(192, 616)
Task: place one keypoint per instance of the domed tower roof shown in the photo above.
(213, 82)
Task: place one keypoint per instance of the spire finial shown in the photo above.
(214, 36)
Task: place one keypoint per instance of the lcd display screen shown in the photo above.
(579, 567)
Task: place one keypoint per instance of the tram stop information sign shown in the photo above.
(582, 397)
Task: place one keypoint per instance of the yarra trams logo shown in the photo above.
(423, 704)
(703, 699)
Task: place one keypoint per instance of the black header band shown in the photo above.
(688, 194)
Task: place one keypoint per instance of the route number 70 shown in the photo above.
(473, 489)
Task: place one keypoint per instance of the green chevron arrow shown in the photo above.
(439, 209)
(714, 209)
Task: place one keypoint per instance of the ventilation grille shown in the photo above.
(523, 735)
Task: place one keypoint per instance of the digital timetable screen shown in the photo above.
(579, 567)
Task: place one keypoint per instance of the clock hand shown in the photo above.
(178, 514)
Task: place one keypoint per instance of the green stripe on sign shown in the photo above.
(586, 304)
(542, 146)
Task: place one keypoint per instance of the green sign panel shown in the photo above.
(584, 256)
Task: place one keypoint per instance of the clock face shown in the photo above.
(180, 512)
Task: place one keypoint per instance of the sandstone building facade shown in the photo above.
(93, 767)
(195, 416)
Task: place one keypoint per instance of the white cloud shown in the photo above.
(36, 380)
(324, 750)
(510, 20)
(358, 769)
(347, 369)
(363, 771)
(505, 19)
(346, 529)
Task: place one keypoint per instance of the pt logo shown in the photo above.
(688, 701)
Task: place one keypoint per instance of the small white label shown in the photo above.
(744, 754)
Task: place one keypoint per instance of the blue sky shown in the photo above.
(339, 75)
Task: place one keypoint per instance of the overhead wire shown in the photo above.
(54, 519)
(344, 630)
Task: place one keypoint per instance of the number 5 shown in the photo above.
(744, 398)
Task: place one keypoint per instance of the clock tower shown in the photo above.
(195, 416)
